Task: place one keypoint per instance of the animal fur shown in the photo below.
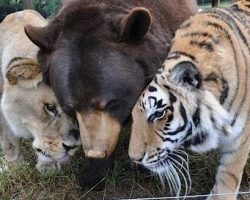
(29, 107)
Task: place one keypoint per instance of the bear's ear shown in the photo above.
(186, 74)
(135, 24)
(23, 69)
(43, 37)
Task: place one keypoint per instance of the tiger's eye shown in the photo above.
(157, 115)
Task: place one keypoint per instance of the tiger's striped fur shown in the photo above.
(199, 101)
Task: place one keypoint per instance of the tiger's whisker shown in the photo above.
(176, 179)
(187, 186)
(186, 172)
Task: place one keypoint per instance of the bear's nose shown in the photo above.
(74, 133)
(137, 158)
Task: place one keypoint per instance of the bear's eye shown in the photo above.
(50, 108)
(112, 103)
(157, 116)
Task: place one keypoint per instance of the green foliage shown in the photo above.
(10, 2)
(15, 2)
(4, 2)
(50, 7)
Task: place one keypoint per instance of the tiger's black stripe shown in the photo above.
(233, 26)
(183, 127)
(196, 116)
(152, 89)
(213, 77)
(199, 138)
(242, 20)
(230, 21)
(184, 54)
(166, 139)
(172, 98)
(198, 33)
(203, 44)
(218, 26)
(236, 8)
(189, 132)
(224, 93)
(246, 43)
(170, 118)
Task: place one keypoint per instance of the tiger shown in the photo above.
(199, 101)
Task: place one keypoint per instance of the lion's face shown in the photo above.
(56, 136)
(31, 109)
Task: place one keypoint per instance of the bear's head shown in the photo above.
(99, 55)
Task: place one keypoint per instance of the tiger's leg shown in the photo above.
(10, 144)
(232, 161)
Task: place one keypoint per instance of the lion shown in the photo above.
(29, 108)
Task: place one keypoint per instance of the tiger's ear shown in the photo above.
(135, 24)
(186, 74)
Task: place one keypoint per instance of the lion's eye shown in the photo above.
(157, 116)
(50, 108)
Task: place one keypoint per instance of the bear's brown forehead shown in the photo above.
(81, 17)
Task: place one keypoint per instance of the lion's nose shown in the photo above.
(67, 148)
(75, 134)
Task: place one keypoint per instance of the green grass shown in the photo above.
(23, 182)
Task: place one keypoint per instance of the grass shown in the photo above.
(23, 182)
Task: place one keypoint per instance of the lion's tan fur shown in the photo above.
(25, 97)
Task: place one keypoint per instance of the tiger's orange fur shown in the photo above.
(211, 88)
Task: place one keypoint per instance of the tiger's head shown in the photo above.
(175, 112)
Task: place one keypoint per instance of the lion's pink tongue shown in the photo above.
(64, 159)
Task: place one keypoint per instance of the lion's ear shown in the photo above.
(23, 69)
(135, 24)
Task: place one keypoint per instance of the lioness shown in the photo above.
(29, 107)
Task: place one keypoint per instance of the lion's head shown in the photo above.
(31, 109)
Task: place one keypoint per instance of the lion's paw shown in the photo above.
(13, 158)
(47, 167)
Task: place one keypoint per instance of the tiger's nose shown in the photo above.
(75, 134)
